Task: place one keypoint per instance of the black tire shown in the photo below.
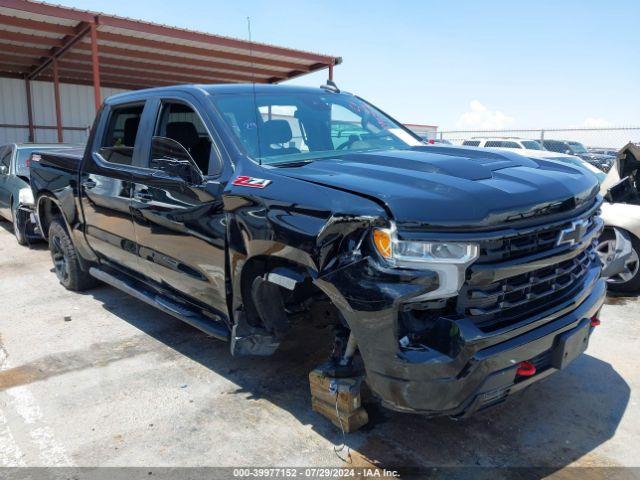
(65, 259)
(19, 229)
(630, 284)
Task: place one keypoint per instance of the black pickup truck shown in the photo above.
(461, 275)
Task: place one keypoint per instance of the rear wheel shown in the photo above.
(627, 281)
(19, 225)
(65, 259)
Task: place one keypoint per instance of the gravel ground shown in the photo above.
(101, 379)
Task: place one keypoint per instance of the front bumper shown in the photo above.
(482, 372)
(27, 222)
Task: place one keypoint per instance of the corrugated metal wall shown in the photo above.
(77, 110)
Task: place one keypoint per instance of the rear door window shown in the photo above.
(120, 135)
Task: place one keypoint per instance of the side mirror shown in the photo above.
(172, 158)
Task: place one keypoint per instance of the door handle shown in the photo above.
(89, 183)
(143, 196)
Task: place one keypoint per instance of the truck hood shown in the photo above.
(453, 187)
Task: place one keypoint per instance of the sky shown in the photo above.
(456, 64)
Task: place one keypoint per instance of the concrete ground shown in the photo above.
(101, 379)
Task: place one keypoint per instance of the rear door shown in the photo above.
(106, 184)
(177, 204)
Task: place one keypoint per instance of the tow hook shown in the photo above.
(526, 369)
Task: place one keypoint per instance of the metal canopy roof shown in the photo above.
(36, 39)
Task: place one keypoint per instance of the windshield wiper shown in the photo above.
(291, 163)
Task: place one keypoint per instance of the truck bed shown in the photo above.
(54, 171)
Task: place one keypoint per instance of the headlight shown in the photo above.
(449, 259)
(25, 196)
(418, 254)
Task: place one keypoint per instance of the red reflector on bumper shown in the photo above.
(526, 369)
(595, 321)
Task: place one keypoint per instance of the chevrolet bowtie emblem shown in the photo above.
(573, 234)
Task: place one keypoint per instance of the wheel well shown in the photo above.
(306, 302)
(47, 211)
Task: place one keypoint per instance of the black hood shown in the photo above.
(454, 187)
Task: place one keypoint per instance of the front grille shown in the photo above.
(513, 299)
(519, 246)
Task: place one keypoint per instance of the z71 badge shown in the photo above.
(251, 182)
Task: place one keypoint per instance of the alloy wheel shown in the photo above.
(606, 251)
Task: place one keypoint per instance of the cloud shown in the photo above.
(592, 122)
(480, 117)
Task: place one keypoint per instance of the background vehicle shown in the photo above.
(463, 275)
(611, 152)
(622, 211)
(603, 162)
(16, 199)
(503, 142)
(432, 141)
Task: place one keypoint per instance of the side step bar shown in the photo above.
(187, 315)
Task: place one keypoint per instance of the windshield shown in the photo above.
(292, 127)
(577, 147)
(531, 145)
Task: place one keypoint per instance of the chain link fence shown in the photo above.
(603, 138)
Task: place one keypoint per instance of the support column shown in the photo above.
(331, 71)
(27, 87)
(56, 95)
(95, 65)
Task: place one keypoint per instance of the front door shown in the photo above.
(177, 207)
(106, 184)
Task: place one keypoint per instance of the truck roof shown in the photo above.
(220, 89)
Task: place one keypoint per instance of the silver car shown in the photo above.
(621, 214)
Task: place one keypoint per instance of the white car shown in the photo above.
(504, 142)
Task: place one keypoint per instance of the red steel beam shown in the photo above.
(83, 16)
(40, 127)
(19, 50)
(20, 70)
(118, 83)
(95, 66)
(159, 68)
(28, 38)
(187, 61)
(211, 39)
(176, 77)
(17, 60)
(66, 44)
(27, 87)
(205, 52)
(86, 78)
(36, 25)
(56, 96)
(47, 10)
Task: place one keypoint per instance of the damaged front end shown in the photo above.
(447, 323)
